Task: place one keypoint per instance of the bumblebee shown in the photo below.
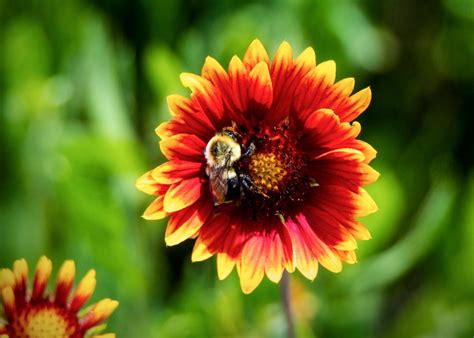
(222, 152)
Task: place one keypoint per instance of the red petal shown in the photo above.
(186, 223)
(155, 210)
(315, 86)
(280, 253)
(251, 266)
(42, 274)
(183, 147)
(208, 97)
(211, 237)
(214, 72)
(328, 229)
(280, 72)
(20, 269)
(180, 106)
(325, 255)
(176, 170)
(288, 80)
(324, 132)
(64, 283)
(368, 151)
(84, 291)
(97, 314)
(260, 87)
(9, 307)
(238, 77)
(343, 200)
(355, 105)
(344, 167)
(182, 194)
(148, 185)
(303, 239)
(225, 265)
(268, 250)
(255, 54)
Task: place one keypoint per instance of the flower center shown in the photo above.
(267, 171)
(276, 170)
(43, 320)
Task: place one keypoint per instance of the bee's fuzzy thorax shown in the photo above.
(219, 148)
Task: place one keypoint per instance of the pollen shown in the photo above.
(267, 171)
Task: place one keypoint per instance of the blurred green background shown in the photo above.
(83, 85)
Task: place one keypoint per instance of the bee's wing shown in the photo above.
(218, 180)
(218, 183)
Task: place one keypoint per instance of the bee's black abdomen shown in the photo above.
(233, 189)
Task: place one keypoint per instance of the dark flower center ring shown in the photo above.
(276, 169)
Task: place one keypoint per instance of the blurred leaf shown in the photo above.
(394, 262)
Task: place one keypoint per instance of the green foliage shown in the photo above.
(83, 85)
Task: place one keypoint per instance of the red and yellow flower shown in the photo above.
(40, 314)
(307, 170)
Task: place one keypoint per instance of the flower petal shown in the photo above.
(213, 71)
(189, 119)
(349, 256)
(260, 86)
(205, 93)
(255, 54)
(7, 278)
(251, 266)
(148, 185)
(344, 167)
(186, 223)
(239, 81)
(182, 194)
(176, 170)
(99, 312)
(305, 254)
(8, 297)
(355, 105)
(84, 291)
(211, 237)
(20, 269)
(314, 86)
(225, 265)
(325, 255)
(183, 147)
(281, 69)
(155, 210)
(64, 282)
(329, 230)
(42, 274)
(180, 106)
(354, 204)
(280, 253)
(288, 82)
(324, 132)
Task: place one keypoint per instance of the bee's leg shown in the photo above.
(249, 150)
(246, 182)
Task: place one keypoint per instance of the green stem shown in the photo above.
(286, 303)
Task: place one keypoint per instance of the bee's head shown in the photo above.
(222, 150)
